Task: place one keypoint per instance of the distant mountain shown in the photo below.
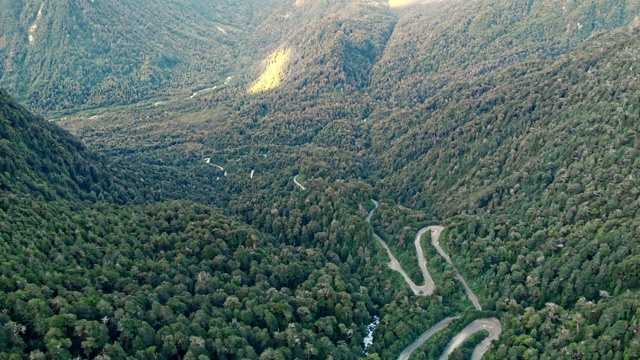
(63, 54)
(433, 45)
(368, 60)
(332, 45)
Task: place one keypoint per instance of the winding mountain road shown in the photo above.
(435, 241)
(295, 180)
(420, 290)
(201, 91)
(406, 353)
(492, 325)
(208, 161)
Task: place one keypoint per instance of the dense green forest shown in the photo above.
(169, 280)
(133, 275)
(59, 55)
(174, 229)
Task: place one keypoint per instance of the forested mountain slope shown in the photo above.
(360, 62)
(61, 56)
(169, 280)
(76, 54)
(530, 128)
(514, 124)
(539, 166)
(453, 41)
(40, 159)
(174, 279)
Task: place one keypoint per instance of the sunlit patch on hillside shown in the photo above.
(403, 3)
(272, 75)
(400, 3)
(299, 3)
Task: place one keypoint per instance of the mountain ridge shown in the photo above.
(36, 154)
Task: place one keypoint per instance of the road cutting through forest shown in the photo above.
(406, 353)
(492, 325)
(435, 241)
(295, 180)
(420, 290)
(201, 91)
(208, 161)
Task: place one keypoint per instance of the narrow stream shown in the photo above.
(368, 340)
